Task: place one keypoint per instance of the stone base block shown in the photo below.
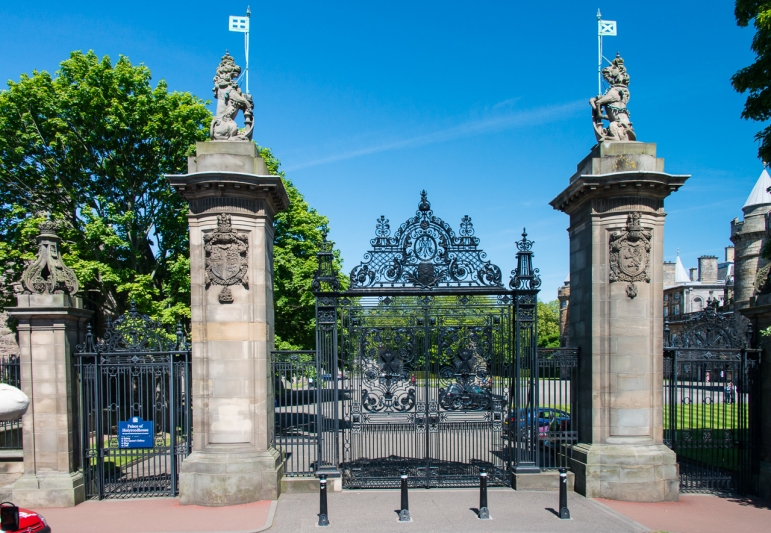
(222, 478)
(549, 480)
(296, 485)
(49, 490)
(626, 472)
(764, 481)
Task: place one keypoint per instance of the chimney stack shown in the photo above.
(708, 269)
(729, 254)
(669, 273)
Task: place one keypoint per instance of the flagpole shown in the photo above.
(246, 46)
(599, 54)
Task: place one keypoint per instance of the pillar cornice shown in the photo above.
(645, 184)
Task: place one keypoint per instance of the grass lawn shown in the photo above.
(715, 452)
(703, 416)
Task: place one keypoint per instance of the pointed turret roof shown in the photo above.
(681, 274)
(760, 194)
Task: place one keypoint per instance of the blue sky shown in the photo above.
(483, 104)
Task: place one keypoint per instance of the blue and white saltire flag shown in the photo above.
(605, 27)
(241, 24)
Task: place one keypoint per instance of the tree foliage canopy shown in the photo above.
(90, 148)
(549, 324)
(755, 79)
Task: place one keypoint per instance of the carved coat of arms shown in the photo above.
(630, 252)
(226, 262)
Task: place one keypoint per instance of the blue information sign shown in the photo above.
(135, 433)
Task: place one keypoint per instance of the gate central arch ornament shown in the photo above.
(425, 253)
(422, 358)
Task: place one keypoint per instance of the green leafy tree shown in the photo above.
(756, 78)
(90, 148)
(298, 237)
(549, 324)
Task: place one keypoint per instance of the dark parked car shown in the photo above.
(549, 420)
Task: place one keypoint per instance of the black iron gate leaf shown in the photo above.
(711, 386)
(136, 412)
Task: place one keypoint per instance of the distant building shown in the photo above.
(690, 292)
(748, 237)
(563, 295)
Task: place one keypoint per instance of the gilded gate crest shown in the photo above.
(226, 262)
(630, 252)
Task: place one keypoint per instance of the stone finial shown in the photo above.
(48, 274)
(230, 100)
(611, 106)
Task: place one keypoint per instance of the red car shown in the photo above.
(31, 522)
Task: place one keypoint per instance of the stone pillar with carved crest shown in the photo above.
(232, 201)
(615, 201)
(51, 322)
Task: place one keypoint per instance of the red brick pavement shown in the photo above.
(699, 514)
(157, 515)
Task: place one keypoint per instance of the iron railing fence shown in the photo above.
(711, 417)
(557, 411)
(296, 383)
(10, 431)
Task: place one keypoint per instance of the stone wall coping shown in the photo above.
(643, 183)
(227, 183)
(48, 312)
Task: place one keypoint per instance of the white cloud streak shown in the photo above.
(470, 128)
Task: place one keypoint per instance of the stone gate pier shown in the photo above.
(232, 204)
(616, 205)
(232, 201)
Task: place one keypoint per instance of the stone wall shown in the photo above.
(8, 344)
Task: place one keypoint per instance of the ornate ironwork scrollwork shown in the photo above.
(388, 356)
(326, 273)
(425, 253)
(134, 333)
(525, 276)
(711, 329)
(464, 382)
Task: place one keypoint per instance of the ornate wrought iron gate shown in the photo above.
(711, 417)
(424, 361)
(135, 408)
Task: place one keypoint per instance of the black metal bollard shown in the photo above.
(323, 518)
(564, 512)
(404, 513)
(484, 512)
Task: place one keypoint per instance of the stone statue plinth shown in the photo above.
(232, 205)
(616, 205)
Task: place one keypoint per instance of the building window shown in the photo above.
(666, 311)
(666, 297)
(676, 310)
(698, 304)
(677, 298)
